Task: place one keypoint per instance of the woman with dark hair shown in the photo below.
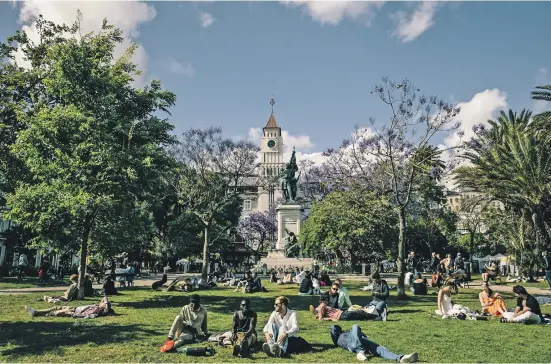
(491, 301)
(419, 285)
(527, 311)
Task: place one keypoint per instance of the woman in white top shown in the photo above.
(446, 306)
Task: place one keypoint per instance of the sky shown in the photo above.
(319, 60)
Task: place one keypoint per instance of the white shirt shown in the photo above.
(300, 277)
(287, 324)
(315, 283)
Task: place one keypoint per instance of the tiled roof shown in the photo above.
(272, 123)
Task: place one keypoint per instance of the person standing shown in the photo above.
(357, 342)
(547, 258)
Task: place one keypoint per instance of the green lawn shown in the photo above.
(144, 316)
(27, 282)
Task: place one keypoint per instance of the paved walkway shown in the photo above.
(147, 281)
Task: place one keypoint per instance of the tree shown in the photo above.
(212, 171)
(352, 223)
(393, 158)
(256, 230)
(542, 120)
(92, 141)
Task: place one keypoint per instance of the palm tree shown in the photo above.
(511, 162)
(542, 93)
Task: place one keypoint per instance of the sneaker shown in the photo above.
(168, 346)
(276, 350)
(236, 349)
(361, 356)
(409, 358)
(266, 349)
(30, 310)
(312, 310)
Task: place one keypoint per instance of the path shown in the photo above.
(147, 281)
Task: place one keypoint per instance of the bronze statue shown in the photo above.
(292, 248)
(288, 179)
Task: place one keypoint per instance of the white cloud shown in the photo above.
(179, 68)
(333, 12)
(482, 107)
(543, 77)
(410, 26)
(126, 15)
(206, 19)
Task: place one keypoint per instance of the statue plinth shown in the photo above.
(288, 219)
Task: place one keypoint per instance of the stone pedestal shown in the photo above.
(288, 217)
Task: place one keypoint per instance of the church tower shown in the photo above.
(271, 162)
(271, 158)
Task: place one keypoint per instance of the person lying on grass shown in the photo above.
(326, 313)
(188, 327)
(88, 311)
(69, 295)
(357, 342)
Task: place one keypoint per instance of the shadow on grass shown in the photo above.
(40, 337)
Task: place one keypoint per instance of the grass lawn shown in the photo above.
(27, 282)
(144, 317)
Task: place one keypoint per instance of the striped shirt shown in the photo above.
(330, 312)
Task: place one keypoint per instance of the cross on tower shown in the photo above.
(272, 102)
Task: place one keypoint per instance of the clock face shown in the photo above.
(271, 143)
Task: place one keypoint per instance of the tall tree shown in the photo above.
(256, 230)
(394, 157)
(353, 223)
(212, 172)
(91, 141)
(511, 163)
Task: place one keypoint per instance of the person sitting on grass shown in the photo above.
(242, 284)
(357, 342)
(189, 326)
(315, 285)
(380, 294)
(527, 311)
(446, 306)
(326, 313)
(281, 328)
(419, 286)
(300, 276)
(492, 303)
(88, 311)
(109, 287)
(344, 296)
(287, 279)
(436, 280)
(69, 295)
(244, 329)
(306, 286)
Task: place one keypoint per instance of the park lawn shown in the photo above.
(28, 282)
(144, 317)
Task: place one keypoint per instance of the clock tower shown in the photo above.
(271, 159)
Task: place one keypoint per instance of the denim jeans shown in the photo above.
(379, 304)
(275, 334)
(548, 277)
(357, 342)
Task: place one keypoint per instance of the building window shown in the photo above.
(247, 205)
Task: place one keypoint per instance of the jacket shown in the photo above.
(380, 290)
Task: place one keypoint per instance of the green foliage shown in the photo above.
(354, 223)
(91, 142)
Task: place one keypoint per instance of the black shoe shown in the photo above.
(236, 349)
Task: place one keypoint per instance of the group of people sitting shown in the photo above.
(281, 333)
(527, 309)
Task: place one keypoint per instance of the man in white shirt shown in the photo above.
(344, 296)
(282, 325)
(300, 277)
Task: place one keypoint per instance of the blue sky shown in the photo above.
(225, 60)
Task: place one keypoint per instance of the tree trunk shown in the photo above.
(83, 256)
(205, 254)
(401, 252)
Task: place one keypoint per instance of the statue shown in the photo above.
(288, 179)
(292, 248)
